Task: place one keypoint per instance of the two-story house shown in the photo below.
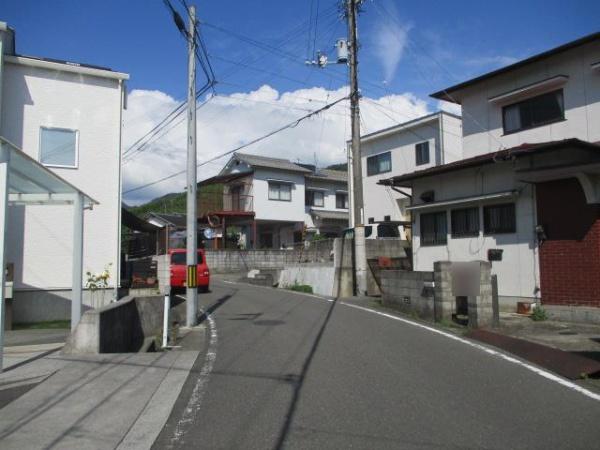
(68, 117)
(527, 195)
(273, 202)
(421, 143)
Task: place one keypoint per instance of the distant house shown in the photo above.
(274, 202)
(68, 117)
(421, 143)
(527, 195)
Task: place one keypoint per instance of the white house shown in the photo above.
(425, 142)
(274, 202)
(527, 195)
(68, 117)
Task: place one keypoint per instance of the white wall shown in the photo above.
(40, 237)
(265, 209)
(581, 99)
(518, 272)
(381, 201)
(328, 199)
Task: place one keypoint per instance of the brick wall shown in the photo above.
(570, 257)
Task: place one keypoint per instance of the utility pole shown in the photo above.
(360, 253)
(192, 223)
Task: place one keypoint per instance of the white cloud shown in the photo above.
(390, 41)
(228, 121)
(490, 61)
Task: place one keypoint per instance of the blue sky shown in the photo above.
(408, 50)
(138, 37)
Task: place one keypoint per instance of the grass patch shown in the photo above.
(47, 325)
(306, 288)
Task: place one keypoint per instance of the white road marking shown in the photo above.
(541, 372)
(544, 373)
(193, 407)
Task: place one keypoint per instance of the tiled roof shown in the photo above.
(272, 163)
(329, 175)
(488, 158)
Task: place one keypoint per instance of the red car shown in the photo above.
(178, 265)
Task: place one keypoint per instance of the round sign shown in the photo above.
(208, 233)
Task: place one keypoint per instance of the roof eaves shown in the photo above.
(444, 94)
(488, 158)
(65, 66)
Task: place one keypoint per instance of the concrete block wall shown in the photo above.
(480, 306)
(410, 292)
(430, 294)
(445, 301)
(226, 261)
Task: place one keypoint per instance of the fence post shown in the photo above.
(495, 303)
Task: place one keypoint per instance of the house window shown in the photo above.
(341, 200)
(465, 222)
(534, 112)
(314, 198)
(499, 219)
(58, 147)
(280, 191)
(379, 163)
(422, 153)
(434, 228)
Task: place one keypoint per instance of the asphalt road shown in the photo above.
(285, 370)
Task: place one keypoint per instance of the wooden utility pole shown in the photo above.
(192, 223)
(357, 191)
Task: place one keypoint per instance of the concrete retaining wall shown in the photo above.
(42, 305)
(320, 276)
(122, 326)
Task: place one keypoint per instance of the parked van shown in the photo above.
(178, 267)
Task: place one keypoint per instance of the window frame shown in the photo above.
(473, 233)
(344, 202)
(487, 232)
(279, 184)
(377, 158)
(61, 166)
(435, 242)
(417, 152)
(310, 194)
(537, 125)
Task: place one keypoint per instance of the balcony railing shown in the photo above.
(214, 202)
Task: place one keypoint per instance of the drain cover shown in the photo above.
(567, 333)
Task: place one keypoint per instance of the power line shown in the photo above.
(254, 141)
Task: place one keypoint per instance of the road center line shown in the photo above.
(193, 407)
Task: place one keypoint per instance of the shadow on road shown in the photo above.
(299, 381)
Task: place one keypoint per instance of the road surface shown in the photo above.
(286, 370)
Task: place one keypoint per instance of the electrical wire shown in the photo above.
(292, 124)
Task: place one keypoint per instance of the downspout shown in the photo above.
(119, 193)
(442, 160)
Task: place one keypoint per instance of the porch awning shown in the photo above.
(329, 215)
(29, 182)
(458, 201)
(24, 181)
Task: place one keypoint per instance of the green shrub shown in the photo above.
(306, 288)
(539, 314)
